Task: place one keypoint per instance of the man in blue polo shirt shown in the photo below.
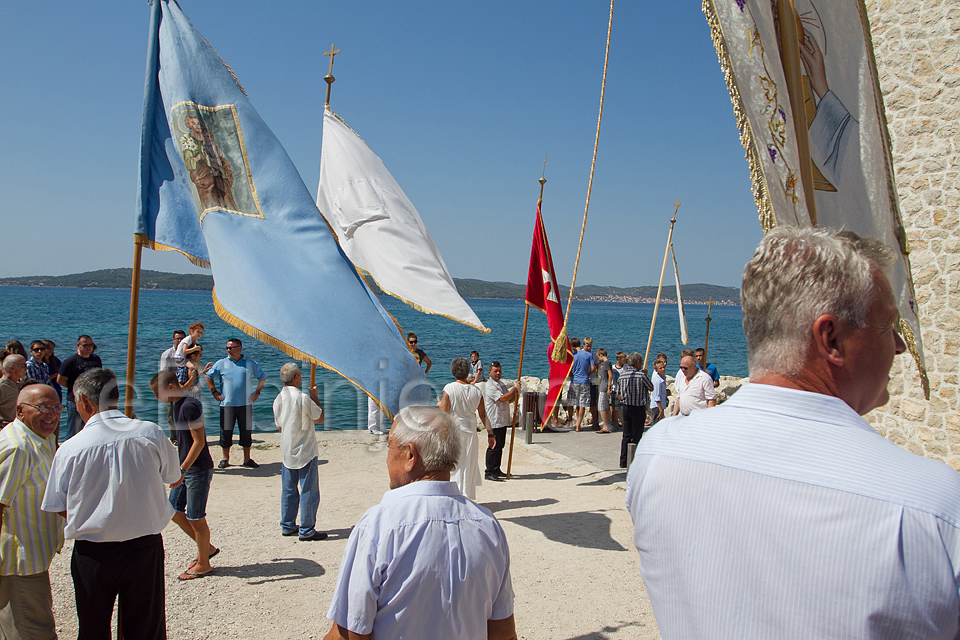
(711, 369)
(236, 397)
(579, 390)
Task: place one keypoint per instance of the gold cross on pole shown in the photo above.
(329, 77)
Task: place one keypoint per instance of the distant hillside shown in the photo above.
(468, 287)
(117, 279)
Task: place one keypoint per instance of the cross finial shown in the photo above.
(329, 77)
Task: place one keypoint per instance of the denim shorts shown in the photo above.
(191, 495)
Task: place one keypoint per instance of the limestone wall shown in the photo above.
(917, 45)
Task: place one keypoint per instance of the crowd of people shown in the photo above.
(780, 513)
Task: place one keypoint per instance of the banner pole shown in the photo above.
(663, 270)
(132, 333)
(516, 401)
(706, 339)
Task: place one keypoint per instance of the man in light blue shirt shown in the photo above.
(236, 396)
(580, 372)
(426, 562)
(781, 513)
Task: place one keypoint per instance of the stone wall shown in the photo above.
(917, 46)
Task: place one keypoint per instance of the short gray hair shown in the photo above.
(635, 360)
(99, 386)
(288, 372)
(795, 276)
(11, 361)
(434, 434)
(460, 368)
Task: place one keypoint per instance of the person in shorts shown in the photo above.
(605, 391)
(189, 498)
(236, 396)
(579, 393)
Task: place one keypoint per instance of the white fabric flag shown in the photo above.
(853, 176)
(380, 230)
(684, 338)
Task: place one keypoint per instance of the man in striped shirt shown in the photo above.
(28, 536)
(781, 513)
(634, 388)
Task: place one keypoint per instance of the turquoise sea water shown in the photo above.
(62, 314)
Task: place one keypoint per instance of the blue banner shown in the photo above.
(217, 186)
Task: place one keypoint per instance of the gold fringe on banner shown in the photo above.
(142, 239)
(560, 346)
(757, 179)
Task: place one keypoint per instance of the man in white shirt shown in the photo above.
(295, 413)
(168, 361)
(122, 463)
(694, 388)
(426, 562)
(496, 400)
(782, 513)
(658, 397)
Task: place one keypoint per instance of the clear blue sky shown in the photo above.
(461, 100)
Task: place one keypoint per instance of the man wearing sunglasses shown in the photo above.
(70, 370)
(29, 537)
(236, 396)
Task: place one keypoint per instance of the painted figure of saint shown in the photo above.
(209, 168)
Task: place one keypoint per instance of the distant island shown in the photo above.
(698, 293)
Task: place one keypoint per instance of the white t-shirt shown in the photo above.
(695, 394)
(294, 413)
(497, 412)
(85, 479)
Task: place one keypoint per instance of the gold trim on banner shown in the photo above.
(418, 307)
(760, 196)
(899, 231)
(293, 352)
(144, 240)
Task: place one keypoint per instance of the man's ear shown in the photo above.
(411, 459)
(828, 336)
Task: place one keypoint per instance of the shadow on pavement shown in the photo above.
(503, 505)
(274, 571)
(586, 529)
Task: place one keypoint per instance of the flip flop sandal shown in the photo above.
(189, 575)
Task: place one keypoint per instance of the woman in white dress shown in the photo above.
(463, 401)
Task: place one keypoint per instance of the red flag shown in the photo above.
(544, 294)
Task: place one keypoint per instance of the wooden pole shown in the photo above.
(132, 332)
(663, 270)
(789, 34)
(523, 344)
(516, 401)
(706, 339)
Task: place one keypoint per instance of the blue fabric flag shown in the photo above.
(217, 186)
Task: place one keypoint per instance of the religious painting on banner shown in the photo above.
(211, 143)
(849, 146)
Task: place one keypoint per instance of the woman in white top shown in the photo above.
(463, 401)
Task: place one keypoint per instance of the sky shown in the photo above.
(461, 100)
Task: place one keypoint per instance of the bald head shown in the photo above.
(688, 365)
(39, 408)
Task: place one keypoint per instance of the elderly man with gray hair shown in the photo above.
(426, 562)
(14, 368)
(295, 413)
(781, 513)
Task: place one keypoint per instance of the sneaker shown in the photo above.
(317, 535)
(376, 432)
(251, 464)
(289, 533)
(223, 464)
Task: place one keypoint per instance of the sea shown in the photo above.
(61, 314)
